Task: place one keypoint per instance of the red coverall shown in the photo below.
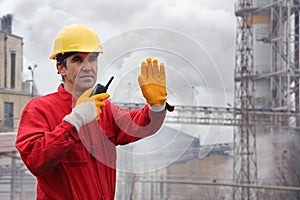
(57, 155)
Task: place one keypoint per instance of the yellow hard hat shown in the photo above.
(76, 38)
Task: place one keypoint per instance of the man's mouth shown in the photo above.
(86, 76)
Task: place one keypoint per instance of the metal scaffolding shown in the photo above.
(266, 76)
(245, 157)
(224, 116)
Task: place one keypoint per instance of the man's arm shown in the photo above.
(40, 146)
(136, 124)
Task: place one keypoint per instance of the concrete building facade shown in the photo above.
(14, 92)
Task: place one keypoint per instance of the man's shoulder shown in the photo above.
(45, 99)
(49, 96)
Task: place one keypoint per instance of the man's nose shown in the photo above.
(86, 65)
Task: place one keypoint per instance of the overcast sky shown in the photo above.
(210, 24)
(195, 39)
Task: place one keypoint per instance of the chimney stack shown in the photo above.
(6, 23)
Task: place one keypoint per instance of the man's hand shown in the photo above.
(98, 99)
(152, 81)
(86, 109)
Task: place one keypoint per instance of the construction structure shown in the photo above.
(13, 91)
(266, 78)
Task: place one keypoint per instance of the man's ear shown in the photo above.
(60, 69)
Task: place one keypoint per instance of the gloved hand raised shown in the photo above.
(152, 81)
(86, 109)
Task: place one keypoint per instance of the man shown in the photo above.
(67, 139)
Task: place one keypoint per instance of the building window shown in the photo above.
(8, 116)
(12, 69)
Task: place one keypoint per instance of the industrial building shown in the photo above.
(266, 80)
(13, 92)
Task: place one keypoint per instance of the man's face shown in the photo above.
(81, 71)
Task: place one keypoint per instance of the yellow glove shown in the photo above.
(86, 109)
(152, 81)
(98, 100)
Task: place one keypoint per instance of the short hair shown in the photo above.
(61, 58)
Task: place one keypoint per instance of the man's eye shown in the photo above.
(92, 58)
(77, 59)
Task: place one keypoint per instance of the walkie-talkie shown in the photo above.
(101, 88)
